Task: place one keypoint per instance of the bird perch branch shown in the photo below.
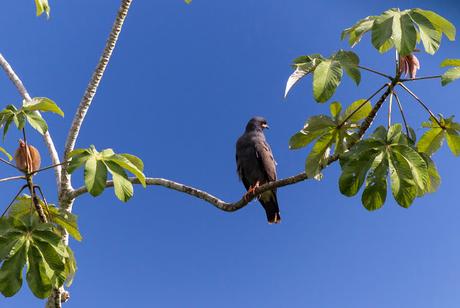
(234, 206)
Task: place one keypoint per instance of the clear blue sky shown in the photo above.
(182, 84)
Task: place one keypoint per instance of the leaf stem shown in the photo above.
(389, 109)
(12, 178)
(8, 163)
(402, 112)
(422, 103)
(362, 105)
(374, 71)
(421, 78)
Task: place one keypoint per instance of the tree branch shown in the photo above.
(90, 91)
(12, 178)
(421, 78)
(234, 206)
(25, 95)
(375, 72)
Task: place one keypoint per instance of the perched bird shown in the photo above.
(28, 161)
(256, 166)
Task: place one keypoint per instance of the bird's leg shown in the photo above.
(250, 193)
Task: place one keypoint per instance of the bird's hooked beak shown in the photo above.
(265, 125)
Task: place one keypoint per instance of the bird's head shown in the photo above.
(256, 123)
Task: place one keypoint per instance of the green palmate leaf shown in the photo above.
(382, 29)
(349, 61)
(402, 30)
(375, 193)
(95, 176)
(37, 122)
(356, 32)
(358, 114)
(453, 141)
(434, 179)
(136, 161)
(402, 185)
(431, 38)
(318, 156)
(11, 270)
(387, 153)
(440, 23)
(125, 163)
(77, 161)
(431, 141)
(43, 104)
(315, 127)
(42, 7)
(452, 73)
(354, 172)
(304, 65)
(326, 78)
(123, 187)
(404, 34)
(38, 274)
(66, 220)
(335, 109)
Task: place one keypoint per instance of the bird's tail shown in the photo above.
(270, 203)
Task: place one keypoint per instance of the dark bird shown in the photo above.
(256, 165)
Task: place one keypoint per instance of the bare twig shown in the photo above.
(92, 86)
(13, 178)
(389, 110)
(402, 112)
(25, 95)
(49, 167)
(421, 78)
(12, 201)
(375, 72)
(422, 104)
(10, 164)
(362, 105)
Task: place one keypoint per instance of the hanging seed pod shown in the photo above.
(409, 65)
(27, 160)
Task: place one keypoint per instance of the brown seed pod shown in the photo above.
(27, 160)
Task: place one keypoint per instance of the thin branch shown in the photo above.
(25, 95)
(47, 168)
(234, 206)
(12, 201)
(375, 72)
(10, 164)
(389, 110)
(12, 178)
(421, 78)
(422, 103)
(402, 112)
(362, 105)
(93, 85)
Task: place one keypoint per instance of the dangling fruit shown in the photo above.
(409, 64)
(27, 160)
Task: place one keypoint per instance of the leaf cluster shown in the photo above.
(28, 113)
(96, 164)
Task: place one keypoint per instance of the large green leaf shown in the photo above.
(375, 193)
(304, 65)
(317, 158)
(313, 128)
(43, 104)
(452, 73)
(95, 176)
(387, 153)
(326, 78)
(402, 30)
(349, 61)
(432, 139)
(122, 186)
(38, 274)
(11, 270)
(37, 122)
(358, 110)
(125, 163)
